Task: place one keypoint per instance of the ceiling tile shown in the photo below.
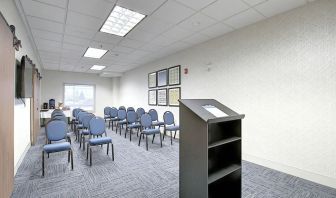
(254, 2)
(173, 12)
(84, 21)
(151, 47)
(131, 43)
(223, 9)
(197, 22)
(216, 30)
(47, 35)
(177, 33)
(142, 6)
(47, 43)
(196, 39)
(76, 40)
(139, 35)
(153, 25)
(73, 47)
(67, 67)
(51, 66)
(43, 24)
(196, 5)
(59, 3)
(41, 10)
(80, 32)
(162, 40)
(273, 7)
(95, 8)
(107, 38)
(245, 18)
(122, 49)
(102, 45)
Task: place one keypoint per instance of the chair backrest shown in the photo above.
(97, 126)
(122, 108)
(140, 111)
(146, 120)
(60, 117)
(121, 114)
(130, 109)
(107, 110)
(168, 118)
(81, 115)
(86, 119)
(153, 114)
(131, 117)
(74, 112)
(57, 112)
(56, 130)
(113, 112)
(78, 110)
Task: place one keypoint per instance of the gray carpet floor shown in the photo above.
(137, 173)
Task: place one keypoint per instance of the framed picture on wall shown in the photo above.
(152, 80)
(174, 75)
(174, 94)
(162, 97)
(152, 97)
(162, 78)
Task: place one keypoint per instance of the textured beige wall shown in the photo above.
(280, 73)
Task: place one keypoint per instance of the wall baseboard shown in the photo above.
(16, 167)
(317, 178)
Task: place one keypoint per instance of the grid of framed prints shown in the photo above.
(163, 78)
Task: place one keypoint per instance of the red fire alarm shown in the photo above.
(185, 70)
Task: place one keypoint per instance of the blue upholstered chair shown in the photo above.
(168, 118)
(146, 123)
(85, 130)
(97, 128)
(122, 108)
(79, 124)
(130, 109)
(140, 111)
(74, 119)
(121, 120)
(65, 120)
(131, 119)
(107, 113)
(57, 112)
(56, 130)
(155, 121)
(114, 116)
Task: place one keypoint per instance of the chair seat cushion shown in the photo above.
(79, 126)
(157, 123)
(135, 125)
(151, 131)
(114, 119)
(56, 147)
(173, 128)
(122, 122)
(99, 141)
(107, 116)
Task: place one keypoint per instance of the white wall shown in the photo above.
(21, 110)
(281, 74)
(53, 82)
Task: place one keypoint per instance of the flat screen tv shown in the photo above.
(24, 78)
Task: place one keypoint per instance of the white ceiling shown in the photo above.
(62, 30)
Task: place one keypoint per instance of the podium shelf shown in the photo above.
(223, 172)
(225, 141)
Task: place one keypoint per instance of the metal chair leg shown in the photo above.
(71, 159)
(125, 132)
(171, 137)
(107, 148)
(153, 138)
(147, 142)
(83, 143)
(90, 157)
(42, 163)
(131, 135)
(139, 139)
(68, 156)
(87, 152)
(164, 132)
(175, 135)
(112, 152)
(161, 139)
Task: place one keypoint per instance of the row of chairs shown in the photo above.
(145, 123)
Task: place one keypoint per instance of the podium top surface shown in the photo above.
(211, 110)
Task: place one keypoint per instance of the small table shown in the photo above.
(46, 114)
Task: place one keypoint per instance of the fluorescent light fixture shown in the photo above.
(121, 21)
(94, 52)
(97, 67)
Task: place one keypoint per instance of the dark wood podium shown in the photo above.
(210, 149)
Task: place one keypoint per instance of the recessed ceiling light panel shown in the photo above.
(94, 52)
(121, 21)
(97, 67)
